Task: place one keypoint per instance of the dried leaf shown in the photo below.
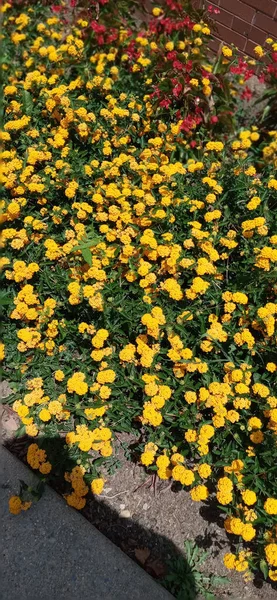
(156, 568)
(142, 554)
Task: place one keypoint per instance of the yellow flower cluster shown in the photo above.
(98, 439)
(21, 271)
(80, 489)
(77, 384)
(36, 458)
(16, 505)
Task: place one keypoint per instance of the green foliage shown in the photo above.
(187, 576)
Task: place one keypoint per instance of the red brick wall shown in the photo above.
(245, 23)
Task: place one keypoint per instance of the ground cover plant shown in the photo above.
(139, 259)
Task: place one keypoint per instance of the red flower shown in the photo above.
(189, 123)
(178, 65)
(246, 94)
(131, 51)
(165, 103)
(272, 69)
(177, 90)
(156, 93)
(174, 5)
(112, 37)
(242, 69)
(188, 66)
(97, 28)
(168, 26)
(171, 55)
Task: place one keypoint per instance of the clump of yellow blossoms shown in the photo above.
(16, 505)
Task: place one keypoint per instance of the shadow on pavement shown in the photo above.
(155, 553)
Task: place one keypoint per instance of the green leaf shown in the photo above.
(264, 568)
(23, 485)
(27, 102)
(38, 491)
(87, 256)
(209, 596)
(219, 579)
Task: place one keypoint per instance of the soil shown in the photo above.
(150, 519)
(135, 511)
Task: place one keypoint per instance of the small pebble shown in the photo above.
(125, 514)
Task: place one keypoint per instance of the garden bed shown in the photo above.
(139, 236)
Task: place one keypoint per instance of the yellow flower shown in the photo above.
(259, 51)
(198, 493)
(190, 397)
(15, 505)
(185, 476)
(156, 11)
(270, 506)
(255, 423)
(147, 458)
(106, 376)
(191, 435)
(97, 486)
(271, 554)
(204, 470)
(127, 354)
(248, 532)
(45, 468)
(22, 411)
(272, 575)
(44, 415)
(2, 351)
(59, 375)
(224, 497)
(162, 462)
(236, 526)
(32, 430)
(55, 407)
(229, 560)
(77, 384)
(257, 437)
(227, 52)
(249, 497)
(207, 431)
(75, 501)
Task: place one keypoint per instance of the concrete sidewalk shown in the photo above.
(52, 553)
